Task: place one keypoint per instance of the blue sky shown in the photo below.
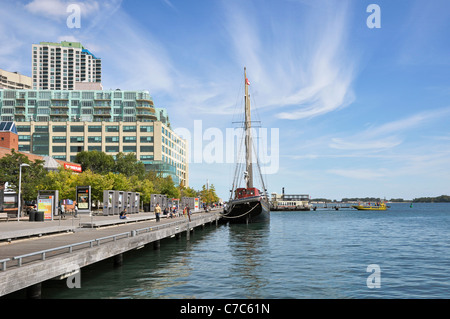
(360, 112)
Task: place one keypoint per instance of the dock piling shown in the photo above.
(118, 260)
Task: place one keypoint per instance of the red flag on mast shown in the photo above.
(248, 82)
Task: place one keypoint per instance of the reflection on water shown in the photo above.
(249, 247)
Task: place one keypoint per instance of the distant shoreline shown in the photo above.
(438, 199)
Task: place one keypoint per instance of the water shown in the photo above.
(322, 254)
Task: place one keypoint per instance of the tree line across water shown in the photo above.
(438, 199)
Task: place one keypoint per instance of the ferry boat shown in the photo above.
(247, 204)
(381, 206)
(289, 202)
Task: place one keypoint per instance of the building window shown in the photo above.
(129, 128)
(128, 149)
(77, 128)
(129, 139)
(76, 149)
(59, 128)
(24, 148)
(112, 129)
(88, 95)
(77, 139)
(94, 139)
(94, 148)
(145, 149)
(112, 139)
(94, 128)
(59, 139)
(146, 139)
(23, 128)
(41, 129)
(59, 149)
(130, 96)
(112, 149)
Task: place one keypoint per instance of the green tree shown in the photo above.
(188, 192)
(209, 195)
(98, 162)
(128, 165)
(97, 182)
(62, 180)
(166, 186)
(145, 188)
(32, 176)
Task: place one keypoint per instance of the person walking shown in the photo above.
(157, 212)
(75, 207)
(188, 212)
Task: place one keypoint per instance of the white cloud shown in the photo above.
(365, 174)
(57, 9)
(305, 71)
(387, 135)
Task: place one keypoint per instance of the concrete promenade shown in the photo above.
(33, 252)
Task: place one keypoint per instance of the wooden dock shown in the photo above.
(33, 252)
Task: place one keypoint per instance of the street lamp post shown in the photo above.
(20, 190)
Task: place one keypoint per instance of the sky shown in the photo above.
(355, 101)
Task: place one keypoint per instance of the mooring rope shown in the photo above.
(242, 214)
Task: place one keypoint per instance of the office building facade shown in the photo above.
(62, 123)
(14, 80)
(59, 66)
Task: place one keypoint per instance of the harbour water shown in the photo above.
(313, 254)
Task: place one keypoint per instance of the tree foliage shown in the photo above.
(95, 161)
(438, 199)
(209, 195)
(101, 172)
(32, 176)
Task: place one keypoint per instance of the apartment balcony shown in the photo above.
(59, 113)
(100, 106)
(145, 100)
(61, 106)
(145, 117)
(102, 114)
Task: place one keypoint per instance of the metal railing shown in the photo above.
(97, 241)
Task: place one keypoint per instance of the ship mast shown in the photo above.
(248, 136)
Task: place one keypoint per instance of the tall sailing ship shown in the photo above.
(247, 204)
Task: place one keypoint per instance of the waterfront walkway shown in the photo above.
(33, 252)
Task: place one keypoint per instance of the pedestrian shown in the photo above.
(75, 208)
(157, 212)
(63, 211)
(188, 212)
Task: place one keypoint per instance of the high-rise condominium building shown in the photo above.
(58, 66)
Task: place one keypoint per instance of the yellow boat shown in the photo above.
(381, 206)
